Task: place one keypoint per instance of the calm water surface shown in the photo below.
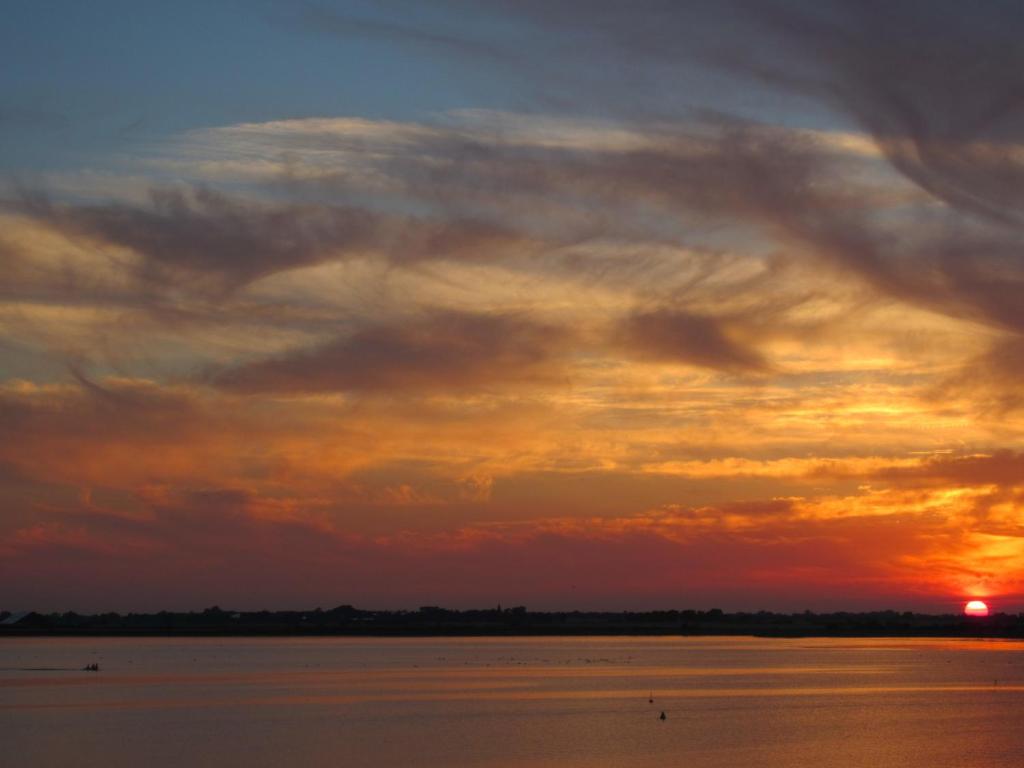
(511, 702)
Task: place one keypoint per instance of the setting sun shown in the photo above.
(976, 608)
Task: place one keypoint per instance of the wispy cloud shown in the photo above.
(617, 338)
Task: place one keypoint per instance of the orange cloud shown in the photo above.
(528, 357)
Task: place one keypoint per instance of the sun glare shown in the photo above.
(976, 608)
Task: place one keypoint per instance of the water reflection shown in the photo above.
(526, 702)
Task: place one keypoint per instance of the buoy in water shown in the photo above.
(662, 716)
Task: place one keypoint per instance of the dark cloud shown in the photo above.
(442, 350)
(940, 88)
(680, 337)
(685, 181)
(1003, 468)
(203, 239)
(939, 85)
(991, 381)
(936, 86)
(206, 233)
(94, 412)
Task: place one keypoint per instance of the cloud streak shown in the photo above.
(444, 351)
(682, 337)
(705, 324)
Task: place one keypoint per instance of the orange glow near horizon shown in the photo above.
(610, 355)
(976, 608)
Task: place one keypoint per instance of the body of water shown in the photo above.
(728, 702)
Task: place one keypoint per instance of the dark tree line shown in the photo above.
(433, 620)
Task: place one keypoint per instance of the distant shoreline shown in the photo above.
(430, 621)
(513, 634)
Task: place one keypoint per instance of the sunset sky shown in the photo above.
(575, 304)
